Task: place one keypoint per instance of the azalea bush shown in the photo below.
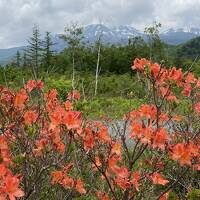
(50, 150)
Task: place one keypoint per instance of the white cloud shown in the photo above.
(178, 13)
(17, 17)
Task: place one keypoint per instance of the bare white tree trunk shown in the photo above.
(83, 90)
(97, 68)
(73, 73)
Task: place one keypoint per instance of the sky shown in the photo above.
(17, 17)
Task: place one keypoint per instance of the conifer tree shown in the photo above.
(18, 59)
(25, 61)
(47, 51)
(34, 50)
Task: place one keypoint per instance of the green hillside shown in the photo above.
(190, 49)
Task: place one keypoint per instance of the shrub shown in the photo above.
(49, 150)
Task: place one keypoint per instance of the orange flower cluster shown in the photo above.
(66, 181)
(143, 126)
(184, 153)
(32, 84)
(126, 156)
(165, 78)
(154, 134)
(9, 184)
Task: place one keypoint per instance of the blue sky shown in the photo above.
(17, 17)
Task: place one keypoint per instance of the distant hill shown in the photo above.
(8, 54)
(190, 49)
(177, 37)
(111, 35)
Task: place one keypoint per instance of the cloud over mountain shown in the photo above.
(17, 17)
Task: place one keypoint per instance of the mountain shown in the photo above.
(121, 34)
(179, 36)
(112, 35)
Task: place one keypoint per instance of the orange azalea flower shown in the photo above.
(155, 69)
(98, 163)
(172, 98)
(198, 83)
(148, 111)
(148, 133)
(72, 119)
(60, 147)
(136, 129)
(187, 90)
(88, 140)
(67, 182)
(51, 95)
(56, 116)
(167, 94)
(165, 91)
(183, 153)
(135, 179)
(80, 186)
(162, 78)
(158, 179)
(122, 183)
(20, 99)
(116, 148)
(68, 167)
(31, 84)
(176, 74)
(177, 118)
(74, 95)
(112, 163)
(139, 64)
(134, 114)
(3, 143)
(68, 105)
(197, 167)
(5, 156)
(122, 172)
(190, 78)
(197, 108)
(40, 85)
(57, 176)
(104, 135)
(41, 143)
(12, 188)
(164, 196)
(163, 118)
(3, 170)
(102, 195)
(160, 139)
(30, 117)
